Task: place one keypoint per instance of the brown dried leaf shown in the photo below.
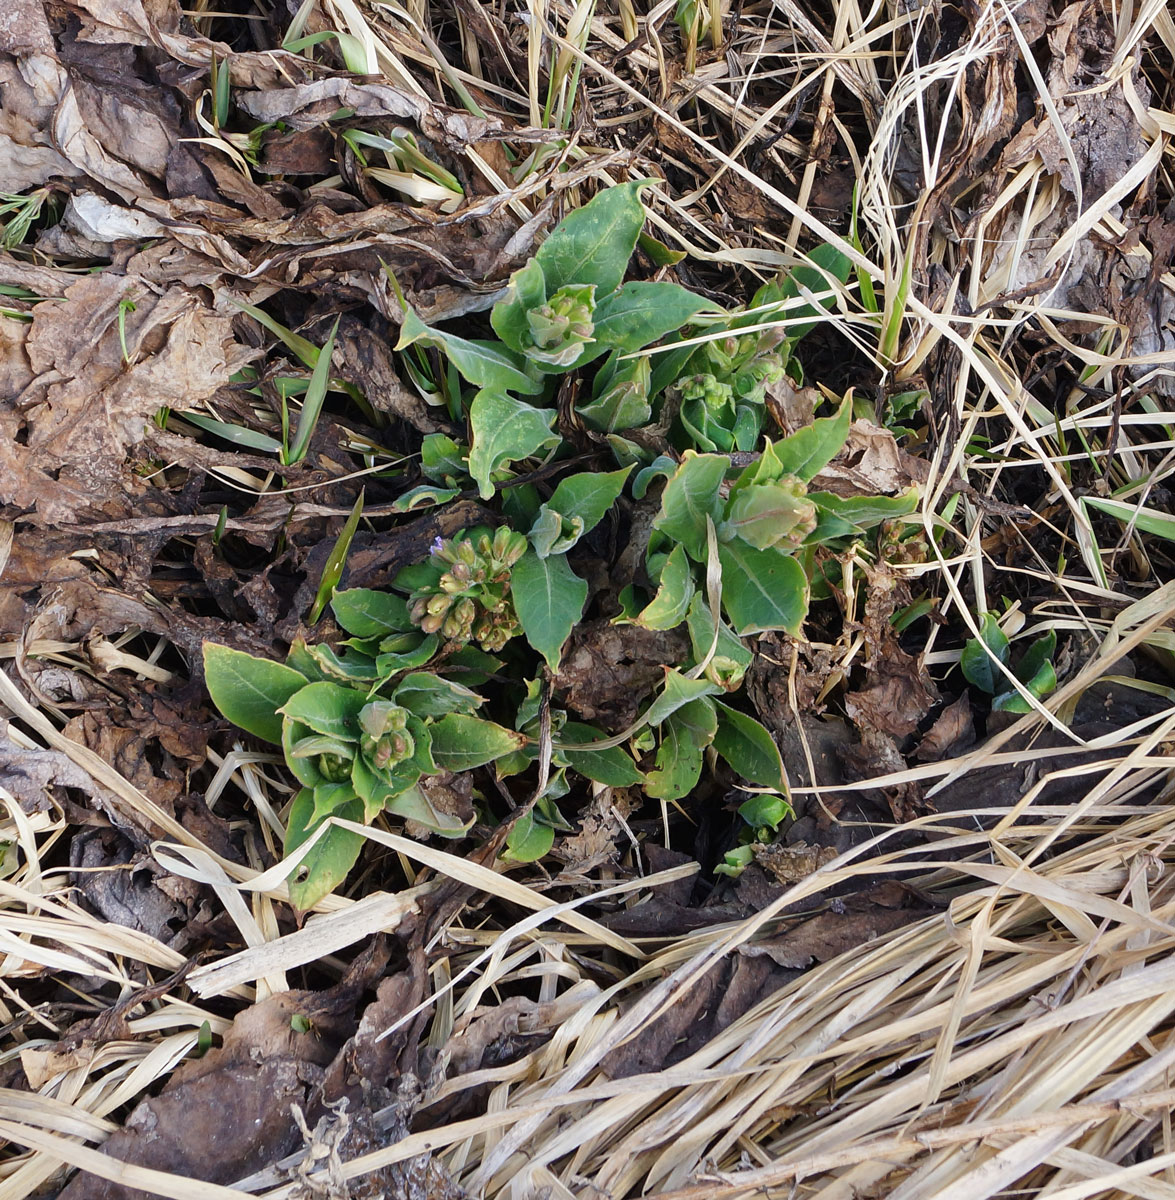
(952, 733)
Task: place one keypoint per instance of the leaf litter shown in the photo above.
(981, 897)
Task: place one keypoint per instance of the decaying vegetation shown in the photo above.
(246, 252)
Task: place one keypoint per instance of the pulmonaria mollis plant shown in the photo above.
(361, 726)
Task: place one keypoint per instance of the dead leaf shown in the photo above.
(952, 733)
(608, 670)
(870, 464)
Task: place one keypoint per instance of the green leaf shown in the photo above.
(622, 401)
(762, 589)
(588, 496)
(485, 365)
(689, 498)
(674, 593)
(549, 599)
(350, 667)
(326, 866)
(550, 534)
(864, 512)
(250, 690)
(391, 661)
(239, 435)
(327, 708)
(830, 259)
(461, 742)
(332, 571)
(677, 691)
(304, 769)
(312, 402)
(529, 840)
(428, 695)
(659, 252)
(807, 451)
(594, 243)
(664, 465)
(366, 613)
(731, 658)
(527, 290)
(413, 805)
(1036, 658)
(642, 313)
(975, 661)
(504, 431)
(749, 748)
(423, 496)
(611, 767)
(684, 738)
(764, 811)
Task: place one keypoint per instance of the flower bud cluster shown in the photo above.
(560, 328)
(471, 600)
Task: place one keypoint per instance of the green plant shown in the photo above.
(670, 387)
(1034, 670)
(21, 212)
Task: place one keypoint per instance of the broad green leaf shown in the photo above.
(594, 243)
(428, 695)
(588, 496)
(303, 661)
(829, 259)
(1036, 657)
(764, 811)
(379, 789)
(677, 691)
(304, 769)
(391, 661)
(642, 313)
(461, 742)
(327, 708)
(622, 400)
(863, 512)
(504, 431)
(367, 613)
(423, 496)
(348, 667)
(731, 658)
(550, 534)
(414, 805)
(762, 589)
(529, 840)
(249, 690)
(684, 738)
(441, 458)
(748, 748)
(807, 451)
(664, 465)
(485, 365)
(327, 864)
(689, 498)
(527, 290)
(659, 252)
(1035, 670)
(975, 660)
(612, 767)
(549, 599)
(674, 593)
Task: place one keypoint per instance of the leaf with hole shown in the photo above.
(326, 865)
